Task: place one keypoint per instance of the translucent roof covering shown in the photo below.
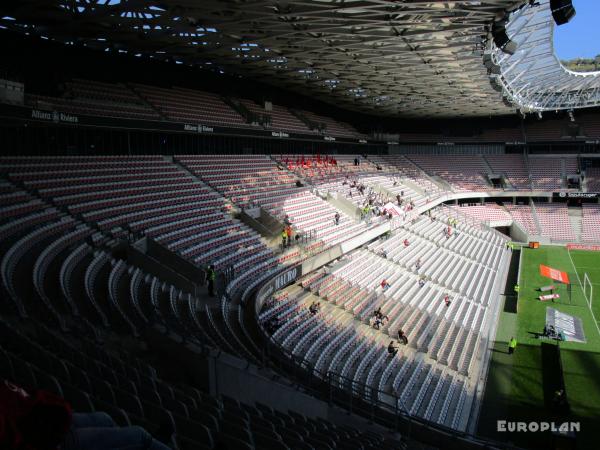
(534, 79)
(417, 58)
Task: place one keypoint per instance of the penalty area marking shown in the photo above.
(582, 290)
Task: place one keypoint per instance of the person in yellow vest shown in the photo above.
(211, 275)
(517, 288)
(512, 345)
(284, 237)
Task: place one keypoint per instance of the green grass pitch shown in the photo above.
(519, 386)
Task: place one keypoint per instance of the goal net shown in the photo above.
(588, 289)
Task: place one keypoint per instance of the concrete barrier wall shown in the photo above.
(315, 262)
(164, 264)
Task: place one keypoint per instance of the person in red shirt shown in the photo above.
(40, 420)
(447, 300)
(385, 285)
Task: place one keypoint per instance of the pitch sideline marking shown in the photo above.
(582, 290)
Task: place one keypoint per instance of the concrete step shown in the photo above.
(576, 219)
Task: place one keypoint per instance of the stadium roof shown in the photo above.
(533, 78)
(404, 58)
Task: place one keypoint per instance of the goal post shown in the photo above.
(588, 289)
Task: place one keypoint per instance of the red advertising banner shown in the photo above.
(592, 248)
(555, 274)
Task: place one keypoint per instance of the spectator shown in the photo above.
(385, 285)
(392, 349)
(422, 281)
(313, 308)
(418, 264)
(377, 323)
(43, 421)
(288, 232)
(559, 398)
(402, 337)
(406, 243)
(211, 276)
(337, 218)
(447, 299)
(36, 420)
(287, 221)
(378, 313)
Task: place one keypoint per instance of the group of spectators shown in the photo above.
(288, 235)
(379, 318)
(392, 349)
(374, 202)
(314, 308)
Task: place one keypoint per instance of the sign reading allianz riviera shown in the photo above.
(533, 79)
(63, 118)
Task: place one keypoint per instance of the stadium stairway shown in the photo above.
(576, 221)
(487, 164)
(149, 104)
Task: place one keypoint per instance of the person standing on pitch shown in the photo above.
(512, 345)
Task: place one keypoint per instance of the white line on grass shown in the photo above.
(582, 290)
